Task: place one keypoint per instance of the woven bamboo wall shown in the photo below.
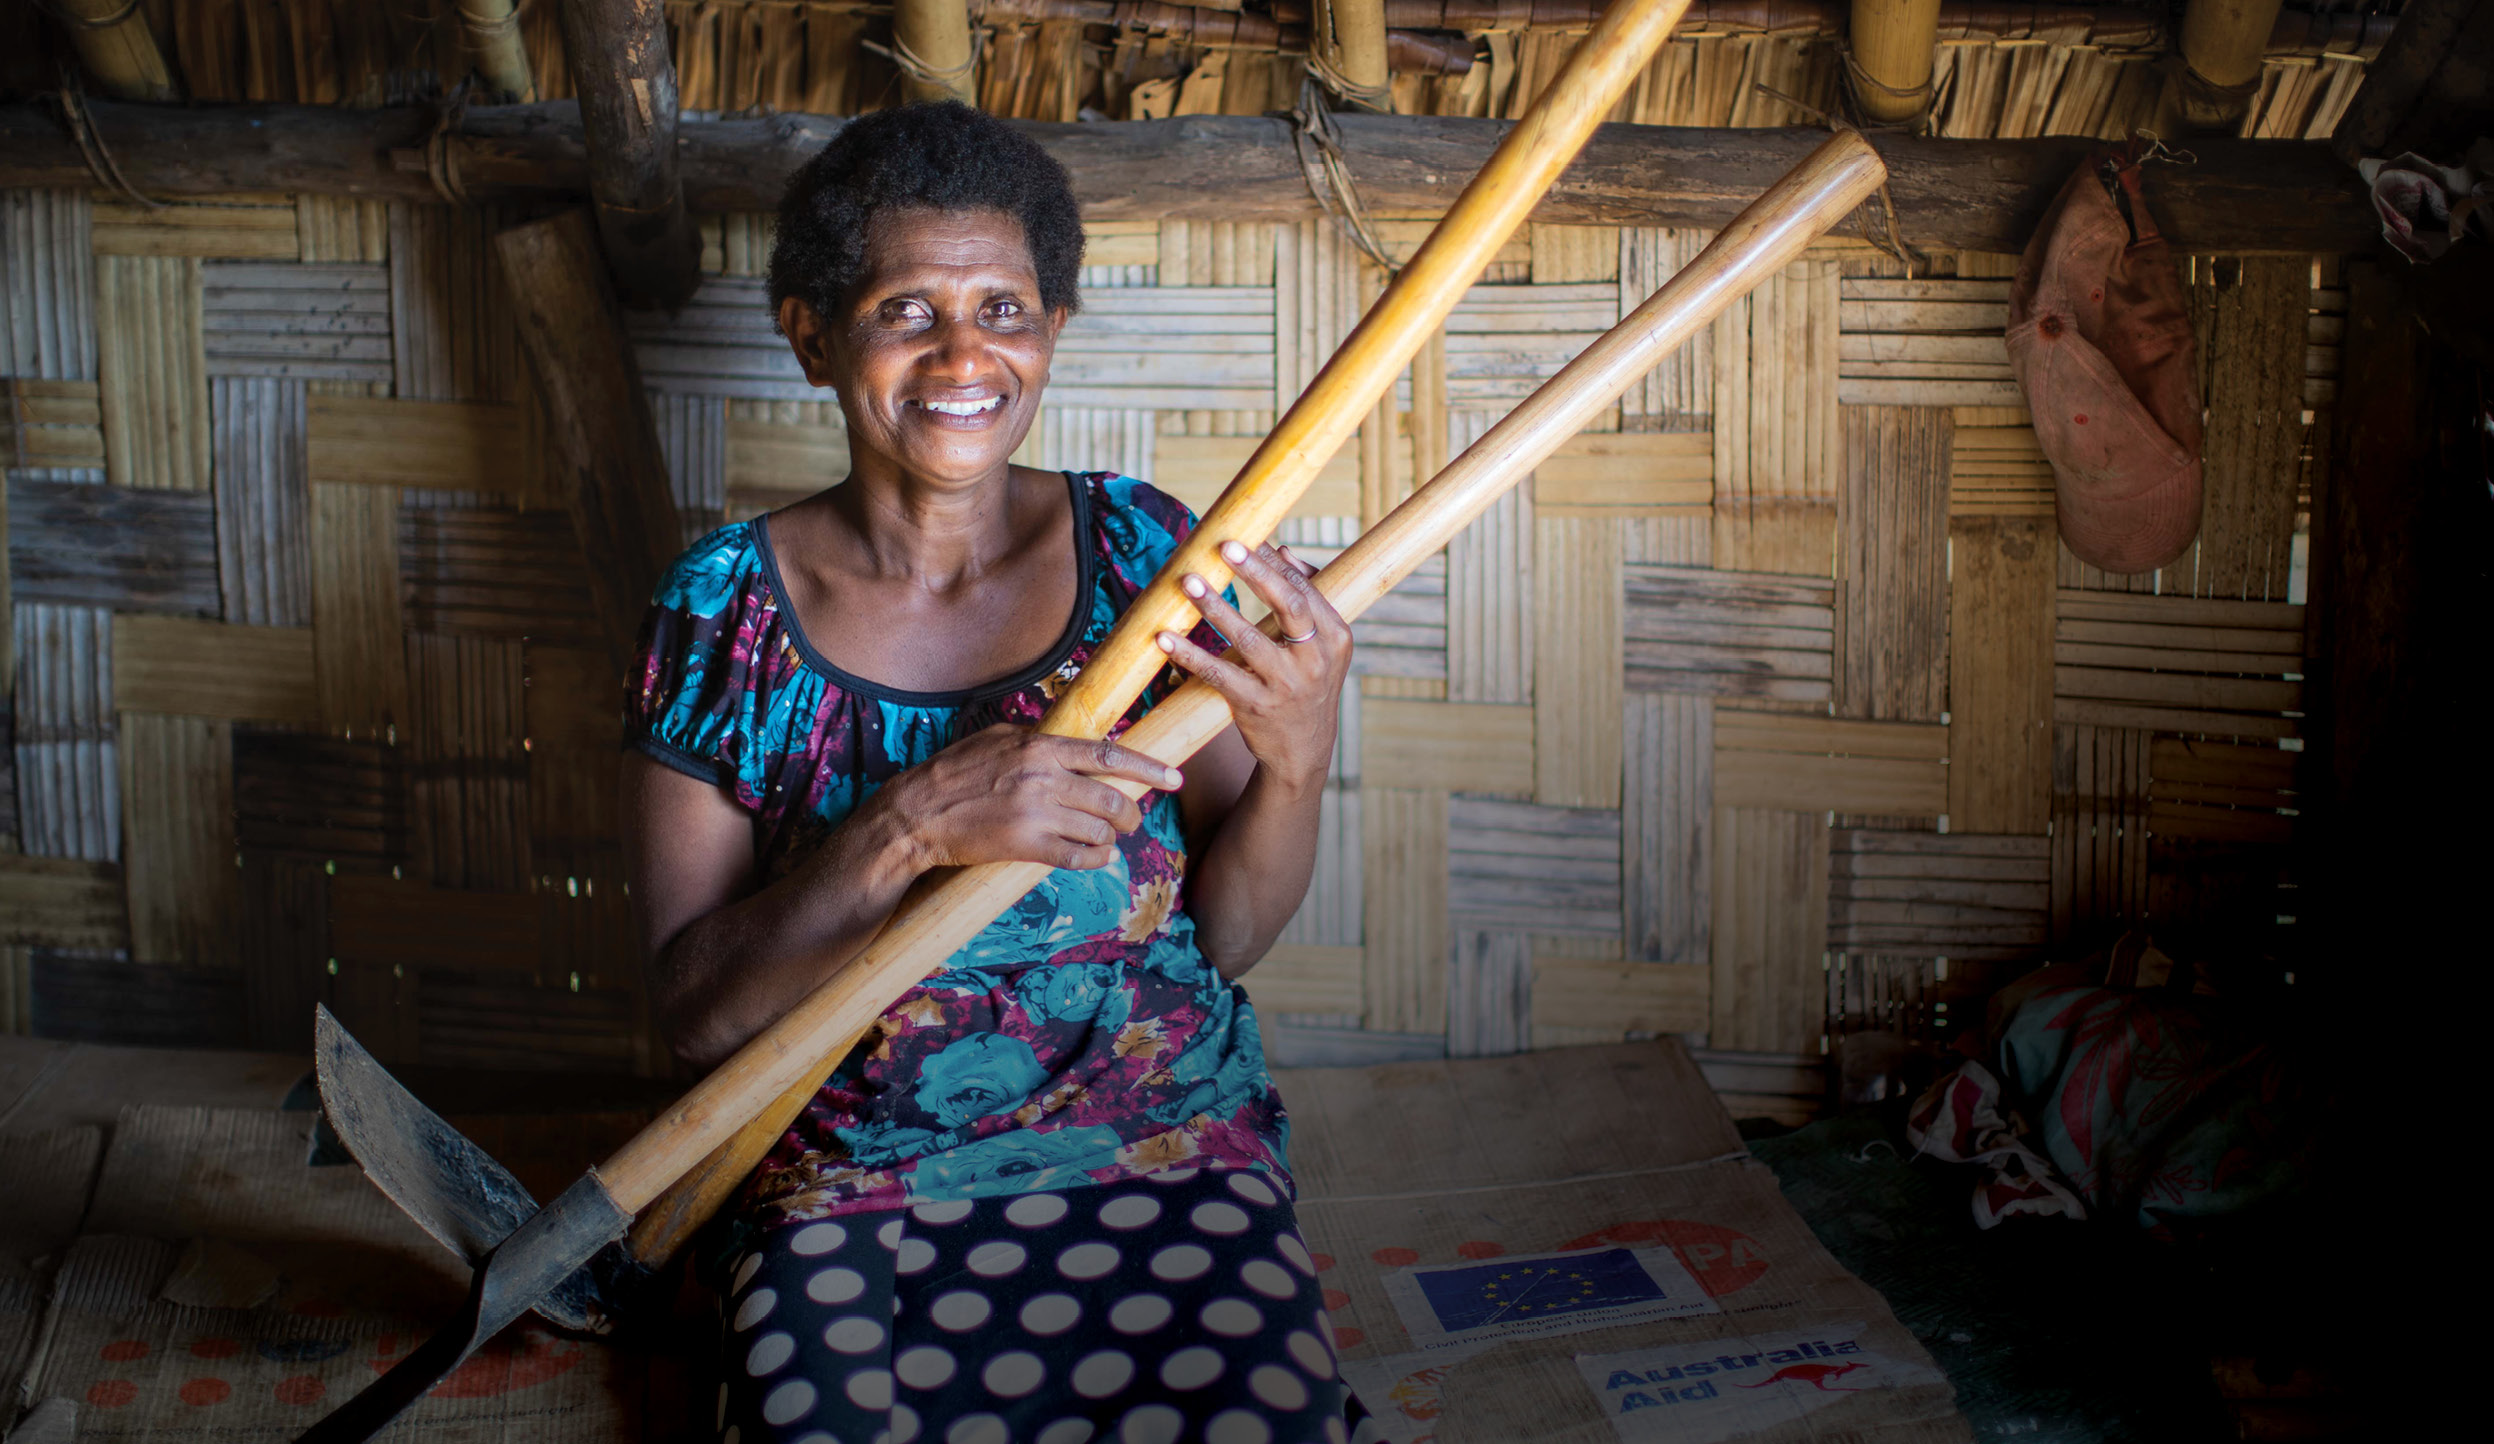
(1767, 711)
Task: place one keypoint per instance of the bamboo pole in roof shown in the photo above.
(117, 48)
(1892, 44)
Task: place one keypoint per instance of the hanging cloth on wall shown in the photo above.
(2101, 343)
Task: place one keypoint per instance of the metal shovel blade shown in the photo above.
(540, 1255)
(453, 1189)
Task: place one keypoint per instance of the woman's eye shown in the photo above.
(1004, 310)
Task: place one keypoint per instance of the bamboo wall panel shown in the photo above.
(154, 370)
(177, 793)
(468, 762)
(1924, 343)
(1770, 930)
(47, 285)
(1523, 867)
(228, 230)
(68, 780)
(2000, 693)
(214, 670)
(2253, 315)
(1727, 634)
(297, 322)
(1666, 827)
(358, 628)
(1892, 574)
(1576, 663)
(112, 546)
(1403, 872)
(1938, 895)
(263, 501)
(2178, 664)
(1582, 791)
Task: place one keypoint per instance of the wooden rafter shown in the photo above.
(626, 82)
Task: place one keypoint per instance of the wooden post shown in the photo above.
(614, 476)
(120, 53)
(1893, 41)
(626, 81)
(2405, 99)
(501, 52)
(931, 41)
(2222, 45)
(1350, 41)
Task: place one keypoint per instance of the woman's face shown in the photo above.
(943, 348)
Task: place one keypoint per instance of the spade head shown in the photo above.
(448, 1185)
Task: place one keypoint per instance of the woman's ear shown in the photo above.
(1057, 317)
(809, 338)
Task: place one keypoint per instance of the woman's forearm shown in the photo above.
(1255, 870)
(730, 974)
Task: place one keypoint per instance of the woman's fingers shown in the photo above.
(1097, 801)
(1235, 683)
(1107, 759)
(1284, 587)
(1247, 642)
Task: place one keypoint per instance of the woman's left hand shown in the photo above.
(1284, 696)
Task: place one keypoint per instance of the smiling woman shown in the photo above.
(1014, 1212)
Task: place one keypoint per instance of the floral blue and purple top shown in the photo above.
(1081, 1038)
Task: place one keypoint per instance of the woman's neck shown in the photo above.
(935, 536)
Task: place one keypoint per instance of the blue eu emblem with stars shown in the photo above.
(1525, 1291)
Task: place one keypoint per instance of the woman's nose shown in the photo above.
(956, 346)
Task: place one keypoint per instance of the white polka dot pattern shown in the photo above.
(1088, 1260)
(816, 1239)
(953, 1211)
(1140, 1313)
(889, 1235)
(1133, 1210)
(756, 1307)
(1253, 1189)
(1237, 1426)
(1235, 1317)
(1169, 1176)
(978, 1429)
(1035, 1210)
(960, 1310)
(996, 1258)
(1309, 1354)
(1223, 1219)
(852, 1336)
(904, 1426)
(788, 1403)
(1151, 1424)
(925, 1367)
(916, 1255)
(745, 1272)
(1065, 1431)
(1268, 1278)
(1048, 1314)
(1295, 1251)
(1191, 1368)
(1103, 1373)
(1011, 1375)
(769, 1354)
(1278, 1387)
(835, 1286)
(870, 1388)
(1181, 1262)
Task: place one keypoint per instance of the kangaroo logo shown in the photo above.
(1815, 1375)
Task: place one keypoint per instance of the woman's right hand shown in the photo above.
(1009, 794)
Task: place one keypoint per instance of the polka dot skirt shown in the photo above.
(1181, 1307)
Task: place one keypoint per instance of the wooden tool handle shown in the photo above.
(1819, 192)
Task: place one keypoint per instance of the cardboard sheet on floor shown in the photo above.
(1574, 1246)
(225, 1287)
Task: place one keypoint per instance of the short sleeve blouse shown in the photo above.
(1079, 1038)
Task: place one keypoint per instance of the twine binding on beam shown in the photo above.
(100, 162)
(62, 13)
(1375, 98)
(910, 63)
(1860, 80)
(1328, 174)
(1894, 242)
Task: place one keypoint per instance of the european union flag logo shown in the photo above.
(1523, 1291)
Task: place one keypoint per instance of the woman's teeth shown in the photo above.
(964, 408)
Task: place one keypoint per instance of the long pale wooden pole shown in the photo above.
(784, 1056)
(1818, 193)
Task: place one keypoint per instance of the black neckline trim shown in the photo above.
(1085, 578)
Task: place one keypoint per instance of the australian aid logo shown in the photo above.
(1696, 1393)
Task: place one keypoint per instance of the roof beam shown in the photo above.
(2241, 195)
(627, 115)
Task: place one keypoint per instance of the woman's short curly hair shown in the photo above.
(942, 156)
